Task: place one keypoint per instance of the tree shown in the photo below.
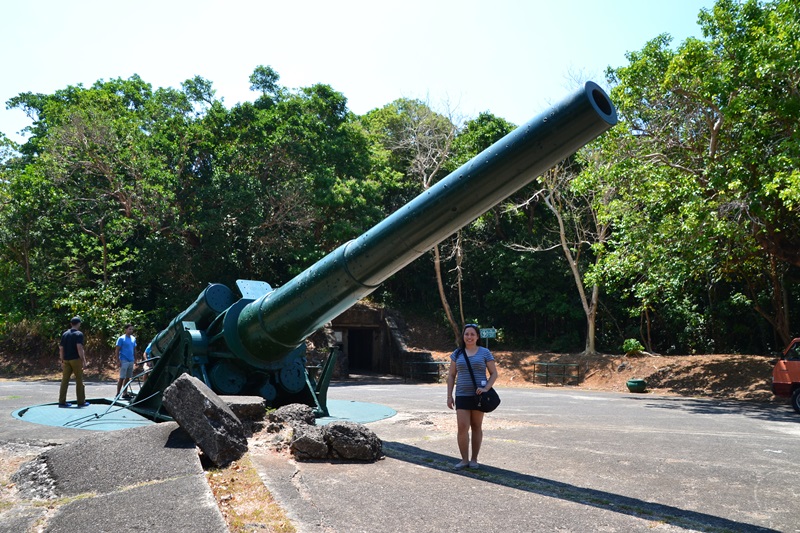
(476, 136)
(265, 80)
(24, 196)
(275, 187)
(198, 89)
(95, 153)
(711, 128)
(576, 200)
(420, 141)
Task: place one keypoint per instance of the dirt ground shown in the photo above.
(722, 376)
(741, 377)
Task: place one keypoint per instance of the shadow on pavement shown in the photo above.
(771, 412)
(554, 489)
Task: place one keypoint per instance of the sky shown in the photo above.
(513, 58)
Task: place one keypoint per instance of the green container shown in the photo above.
(637, 385)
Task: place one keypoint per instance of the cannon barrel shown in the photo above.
(277, 322)
(214, 299)
(256, 344)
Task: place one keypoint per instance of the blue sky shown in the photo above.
(510, 57)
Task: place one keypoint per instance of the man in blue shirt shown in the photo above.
(126, 351)
(73, 361)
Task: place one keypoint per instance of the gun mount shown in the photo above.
(255, 345)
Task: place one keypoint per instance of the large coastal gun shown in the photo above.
(256, 344)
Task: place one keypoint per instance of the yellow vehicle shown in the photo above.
(786, 375)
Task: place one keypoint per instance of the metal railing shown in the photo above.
(561, 373)
(426, 370)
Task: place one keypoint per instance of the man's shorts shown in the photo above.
(125, 369)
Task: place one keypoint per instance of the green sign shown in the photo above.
(488, 333)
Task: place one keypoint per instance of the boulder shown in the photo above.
(247, 408)
(352, 441)
(292, 414)
(308, 442)
(342, 440)
(207, 419)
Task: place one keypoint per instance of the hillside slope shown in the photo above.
(723, 376)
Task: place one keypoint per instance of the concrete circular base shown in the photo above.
(104, 415)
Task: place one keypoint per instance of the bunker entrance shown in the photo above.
(361, 349)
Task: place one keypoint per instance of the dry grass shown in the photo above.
(244, 501)
(8, 466)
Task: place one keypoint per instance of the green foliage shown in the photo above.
(100, 309)
(265, 80)
(476, 136)
(705, 159)
(150, 194)
(103, 316)
(632, 346)
(411, 144)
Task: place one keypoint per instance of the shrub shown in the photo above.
(632, 345)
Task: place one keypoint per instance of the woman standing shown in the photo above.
(467, 413)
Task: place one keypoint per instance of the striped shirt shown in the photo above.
(464, 385)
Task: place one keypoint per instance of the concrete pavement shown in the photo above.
(554, 459)
(557, 460)
(141, 479)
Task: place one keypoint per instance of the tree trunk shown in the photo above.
(459, 257)
(591, 320)
(781, 323)
(589, 309)
(779, 316)
(647, 334)
(437, 266)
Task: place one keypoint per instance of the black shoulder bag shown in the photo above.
(489, 400)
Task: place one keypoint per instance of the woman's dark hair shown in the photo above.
(477, 330)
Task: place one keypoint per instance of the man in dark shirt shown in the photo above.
(73, 361)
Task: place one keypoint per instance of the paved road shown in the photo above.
(567, 460)
(553, 459)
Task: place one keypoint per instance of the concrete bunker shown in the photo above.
(371, 342)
